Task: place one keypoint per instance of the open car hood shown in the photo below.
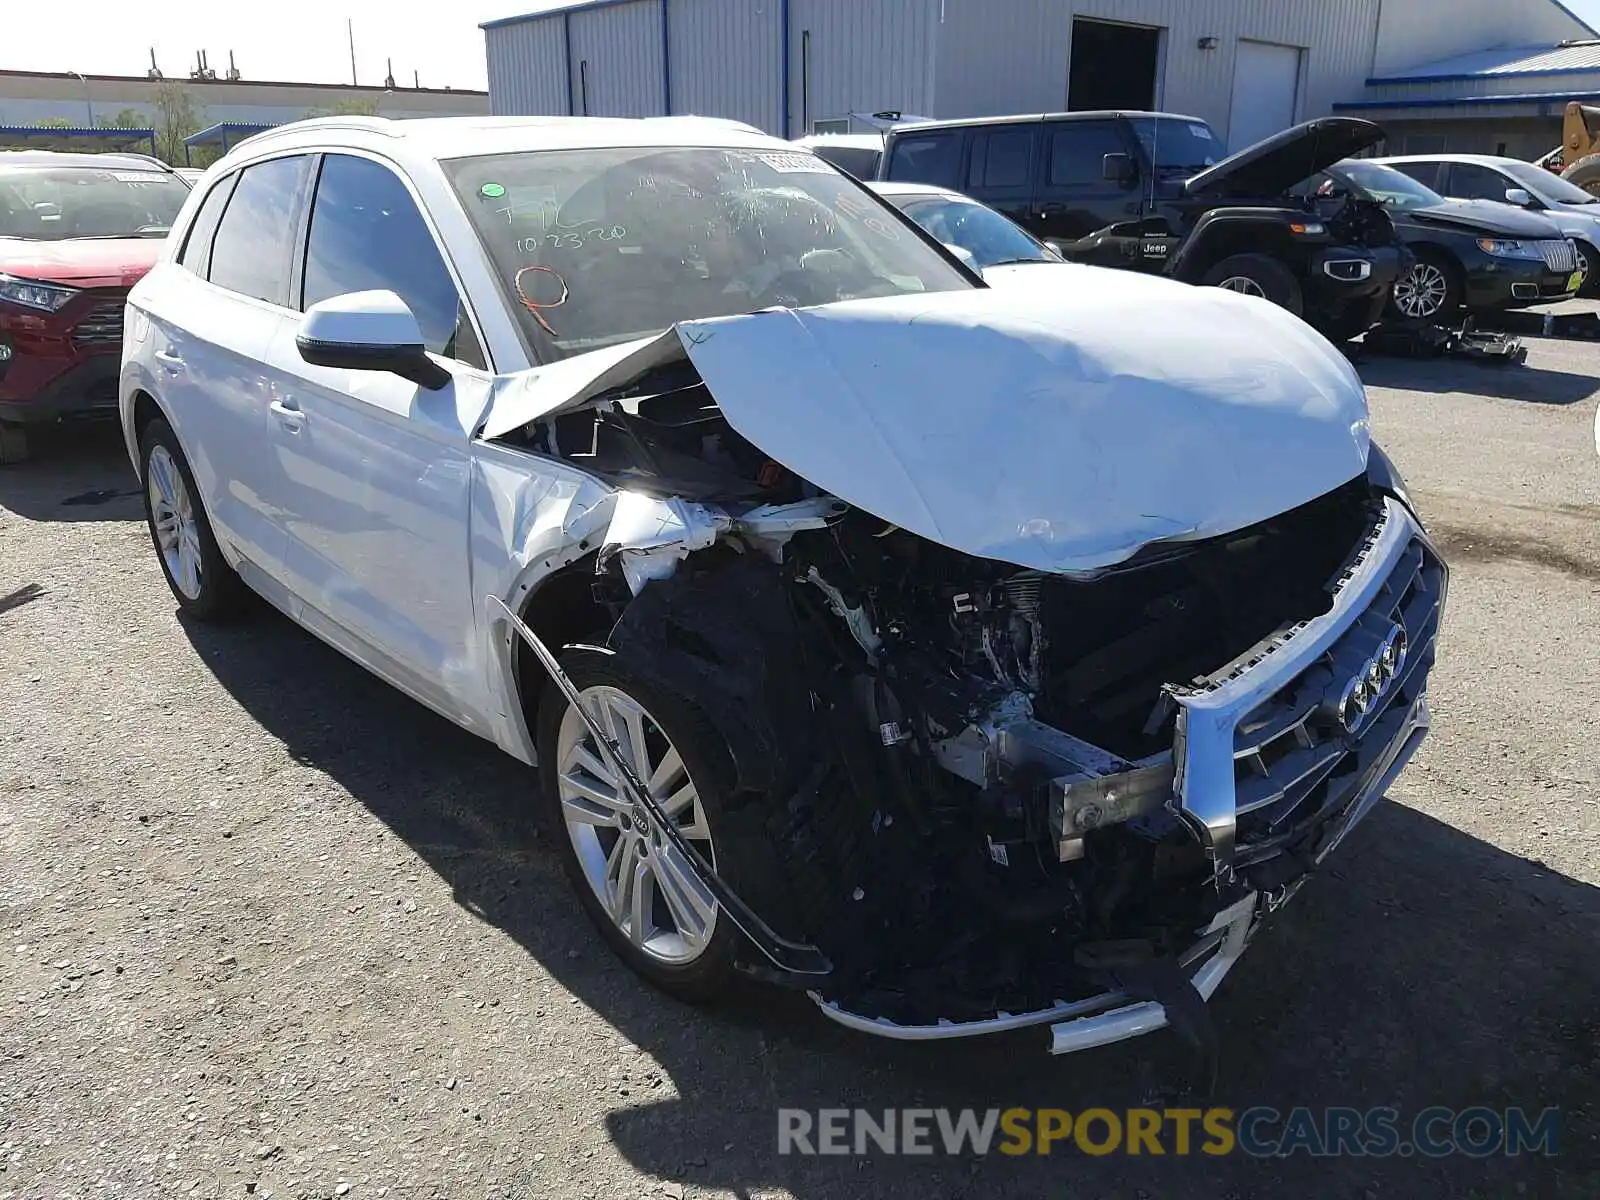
(1274, 165)
(1058, 428)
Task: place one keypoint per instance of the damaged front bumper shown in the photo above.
(1257, 777)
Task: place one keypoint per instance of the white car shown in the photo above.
(968, 658)
(998, 248)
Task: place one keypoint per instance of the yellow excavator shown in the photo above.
(1578, 157)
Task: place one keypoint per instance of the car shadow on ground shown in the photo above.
(1534, 385)
(1424, 967)
(75, 473)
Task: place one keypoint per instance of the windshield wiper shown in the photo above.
(1011, 262)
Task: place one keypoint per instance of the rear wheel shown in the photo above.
(201, 580)
(1585, 173)
(1428, 290)
(1257, 275)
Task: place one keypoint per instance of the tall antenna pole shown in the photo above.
(350, 31)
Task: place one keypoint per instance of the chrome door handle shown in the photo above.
(289, 414)
(171, 362)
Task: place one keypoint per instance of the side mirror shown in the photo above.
(368, 331)
(1521, 197)
(1118, 168)
(962, 253)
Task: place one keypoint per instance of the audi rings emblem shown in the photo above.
(1368, 686)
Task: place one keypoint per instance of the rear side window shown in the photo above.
(251, 251)
(368, 235)
(1425, 173)
(1001, 158)
(196, 254)
(928, 158)
(1078, 150)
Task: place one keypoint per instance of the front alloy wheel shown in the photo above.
(642, 883)
(1422, 291)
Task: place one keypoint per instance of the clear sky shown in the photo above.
(271, 39)
(278, 39)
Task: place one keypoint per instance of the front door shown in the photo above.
(1075, 198)
(378, 469)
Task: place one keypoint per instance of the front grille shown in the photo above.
(101, 325)
(1293, 756)
(1559, 256)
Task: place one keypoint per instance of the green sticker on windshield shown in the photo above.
(492, 190)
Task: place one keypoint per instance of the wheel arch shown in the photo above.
(1222, 238)
(561, 609)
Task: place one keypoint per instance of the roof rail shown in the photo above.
(382, 125)
(149, 158)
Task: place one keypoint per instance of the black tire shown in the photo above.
(1585, 173)
(1429, 265)
(1256, 274)
(13, 443)
(221, 592)
(1591, 268)
(706, 760)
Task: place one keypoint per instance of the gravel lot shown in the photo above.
(270, 927)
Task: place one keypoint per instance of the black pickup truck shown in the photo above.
(1154, 192)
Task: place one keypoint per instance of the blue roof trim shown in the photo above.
(1473, 76)
(1462, 101)
(75, 131)
(555, 11)
(212, 133)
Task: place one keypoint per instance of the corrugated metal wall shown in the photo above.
(621, 45)
(1585, 83)
(527, 67)
(865, 56)
(727, 60)
(950, 58)
(998, 56)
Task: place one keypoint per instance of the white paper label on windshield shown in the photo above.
(791, 163)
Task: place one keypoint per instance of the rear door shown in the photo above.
(378, 469)
(1075, 198)
(1001, 168)
(213, 320)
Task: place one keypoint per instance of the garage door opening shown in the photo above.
(1113, 66)
(1266, 91)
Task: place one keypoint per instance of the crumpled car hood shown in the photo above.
(1058, 428)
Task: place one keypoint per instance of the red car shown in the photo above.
(76, 232)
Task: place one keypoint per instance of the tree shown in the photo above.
(127, 118)
(354, 107)
(176, 117)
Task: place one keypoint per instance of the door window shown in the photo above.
(928, 158)
(1001, 158)
(196, 254)
(1078, 150)
(250, 252)
(1469, 181)
(368, 235)
(1425, 173)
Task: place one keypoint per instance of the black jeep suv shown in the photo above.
(1147, 191)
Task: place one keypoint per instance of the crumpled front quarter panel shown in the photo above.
(531, 515)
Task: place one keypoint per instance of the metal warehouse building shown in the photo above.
(1249, 67)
